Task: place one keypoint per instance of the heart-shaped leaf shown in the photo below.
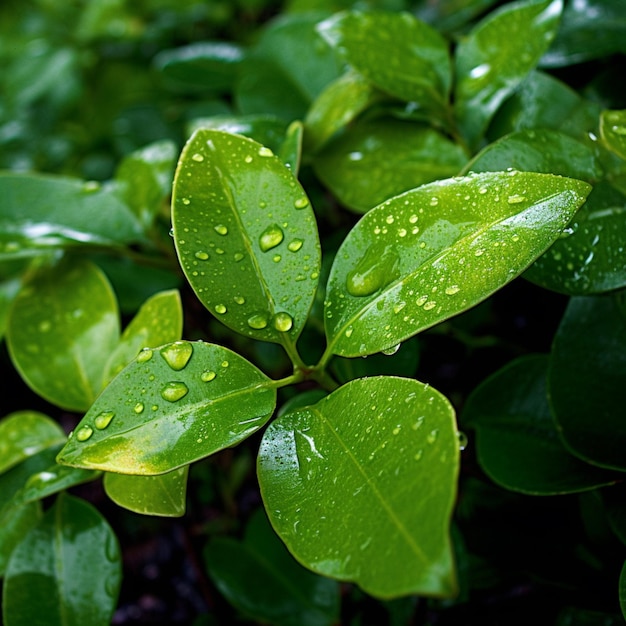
(497, 55)
(150, 495)
(170, 407)
(361, 485)
(64, 321)
(435, 251)
(246, 236)
(67, 569)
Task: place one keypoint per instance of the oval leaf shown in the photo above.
(245, 235)
(497, 55)
(162, 495)
(361, 486)
(433, 252)
(170, 407)
(64, 321)
(67, 569)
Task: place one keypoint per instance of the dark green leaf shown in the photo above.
(16, 520)
(497, 55)
(162, 495)
(586, 380)
(170, 407)
(435, 251)
(361, 485)
(64, 321)
(246, 236)
(65, 572)
(517, 442)
(261, 579)
(452, 14)
(613, 130)
(375, 160)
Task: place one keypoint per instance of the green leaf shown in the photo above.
(25, 433)
(9, 288)
(158, 321)
(64, 321)
(65, 572)
(290, 152)
(52, 480)
(170, 407)
(435, 251)
(361, 486)
(613, 131)
(517, 442)
(261, 579)
(375, 160)
(497, 55)
(452, 14)
(16, 520)
(39, 212)
(398, 53)
(246, 236)
(586, 379)
(162, 495)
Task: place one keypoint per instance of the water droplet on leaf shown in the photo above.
(201, 255)
(301, 203)
(138, 408)
(174, 391)
(220, 229)
(265, 152)
(516, 199)
(144, 355)
(198, 157)
(103, 420)
(271, 237)
(83, 433)
(258, 321)
(282, 322)
(220, 308)
(372, 272)
(392, 350)
(177, 354)
(295, 245)
(207, 376)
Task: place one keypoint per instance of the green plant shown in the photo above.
(462, 167)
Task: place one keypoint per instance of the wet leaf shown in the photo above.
(25, 433)
(67, 569)
(586, 380)
(375, 160)
(64, 321)
(162, 495)
(260, 578)
(40, 212)
(246, 236)
(435, 251)
(54, 479)
(158, 321)
(170, 407)
(290, 151)
(361, 485)
(497, 55)
(613, 131)
(517, 442)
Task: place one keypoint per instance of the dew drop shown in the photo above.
(429, 305)
(144, 355)
(479, 252)
(418, 455)
(177, 354)
(198, 157)
(265, 152)
(248, 159)
(103, 419)
(174, 391)
(301, 203)
(396, 430)
(207, 376)
(421, 300)
(276, 258)
(220, 229)
(239, 299)
(238, 257)
(225, 364)
(138, 408)
(186, 201)
(398, 307)
(372, 272)
(83, 433)
(413, 219)
(618, 130)
(402, 232)
(432, 436)
(392, 350)
(271, 237)
(282, 322)
(220, 309)
(201, 255)
(219, 251)
(516, 199)
(462, 437)
(450, 291)
(434, 201)
(258, 321)
(349, 331)
(295, 245)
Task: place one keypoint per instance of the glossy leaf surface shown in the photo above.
(435, 251)
(25, 433)
(54, 479)
(497, 55)
(64, 321)
(170, 407)
(261, 578)
(613, 130)
(65, 572)
(162, 495)
(16, 520)
(361, 485)
(158, 321)
(586, 379)
(373, 161)
(246, 236)
(40, 212)
(517, 442)
(395, 51)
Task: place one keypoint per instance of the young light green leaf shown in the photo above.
(67, 569)
(171, 406)
(396, 52)
(361, 486)
(162, 495)
(246, 236)
(497, 55)
(261, 579)
(435, 251)
(517, 442)
(375, 160)
(39, 212)
(64, 321)
(586, 379)
(25, 433)
(158, 321)
(613, 131)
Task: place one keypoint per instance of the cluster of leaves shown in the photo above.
(433, 154)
